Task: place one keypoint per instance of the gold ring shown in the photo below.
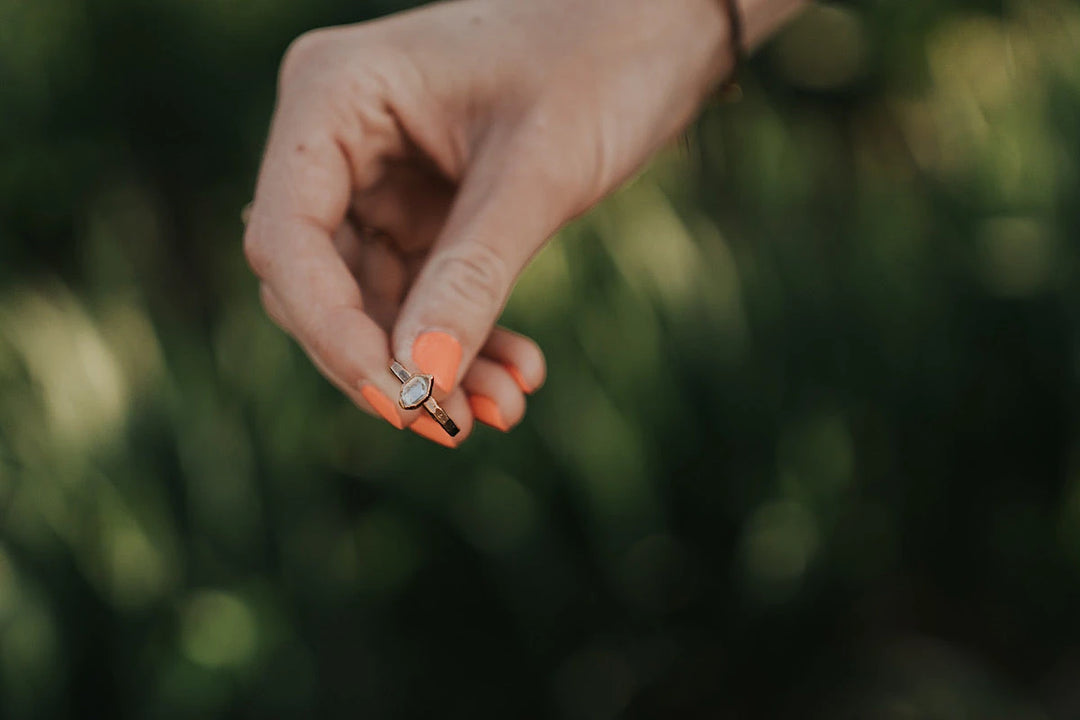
(416, 392)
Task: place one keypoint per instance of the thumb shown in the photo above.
(494, 228)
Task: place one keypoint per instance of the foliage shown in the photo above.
(808, 445)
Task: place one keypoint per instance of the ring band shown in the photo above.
(416, 392)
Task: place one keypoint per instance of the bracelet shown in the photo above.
(730, 90)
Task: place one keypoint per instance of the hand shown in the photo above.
(415, 164)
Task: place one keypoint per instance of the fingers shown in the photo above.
(494, 397)
(374, 402)
(493, 230)
(521, 356)
(367, 397)
(493, 387)
(313, 264)
(325, 316)
(301, 200)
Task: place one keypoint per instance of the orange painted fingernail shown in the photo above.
(516, 374)
(427, 428)
(438, 354)
(382, 405)
(487, 412)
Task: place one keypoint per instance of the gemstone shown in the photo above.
(415, 391)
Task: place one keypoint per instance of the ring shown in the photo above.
(416, 392)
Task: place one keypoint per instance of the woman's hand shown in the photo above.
(416, 163)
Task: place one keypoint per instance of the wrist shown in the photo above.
(759, 19)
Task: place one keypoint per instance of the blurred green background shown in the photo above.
(809, 445)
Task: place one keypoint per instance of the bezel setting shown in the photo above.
(416, 391)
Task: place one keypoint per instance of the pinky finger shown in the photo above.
(521, 356)
(494, 395)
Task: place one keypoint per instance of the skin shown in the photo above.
(417, 163)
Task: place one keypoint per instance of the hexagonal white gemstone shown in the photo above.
(416, 390)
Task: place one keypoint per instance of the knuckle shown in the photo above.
(477, 277)
(338, 78)
(308, 50)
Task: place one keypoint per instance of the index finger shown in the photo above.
(302, 197)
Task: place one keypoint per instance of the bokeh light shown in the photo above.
(808, 444)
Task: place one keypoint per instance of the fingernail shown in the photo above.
(438, 354)
(433, 431)
(487, 412)
(382, 405)
(516, 374)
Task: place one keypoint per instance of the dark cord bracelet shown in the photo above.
(730, 90)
